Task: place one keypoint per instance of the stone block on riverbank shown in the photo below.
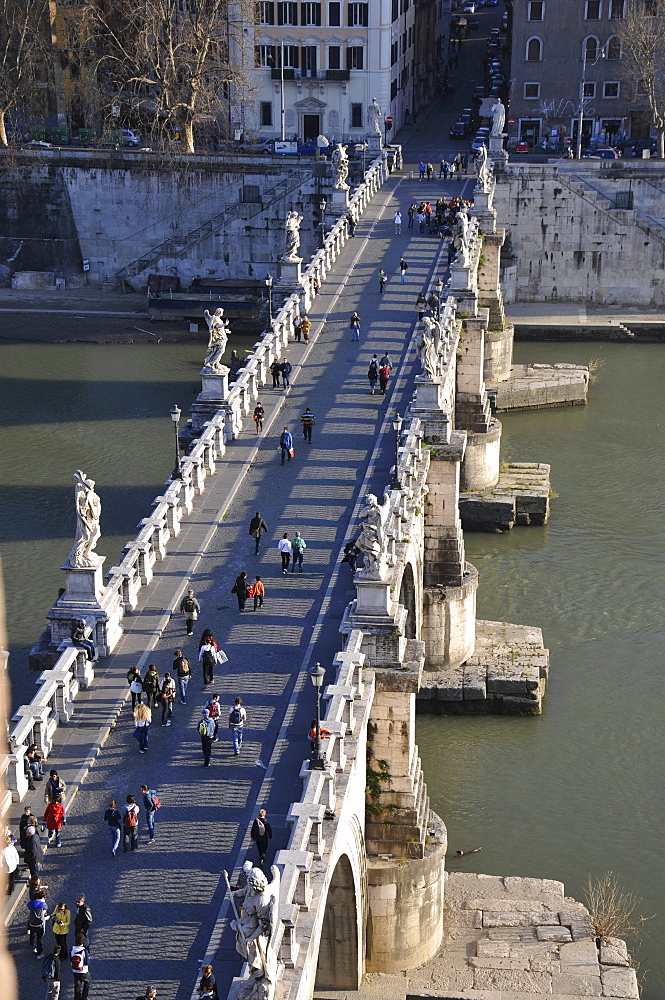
(540, 386)
(521, 496)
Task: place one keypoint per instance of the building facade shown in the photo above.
(566, 57)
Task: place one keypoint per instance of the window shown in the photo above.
(265, 113)
(393, 90)
(356, 116)
(264, 55)
(358, 15)
(394, 53)
(592, 10)
(640, 91)
(291, 56)
(531, 91)
(265, 12)
(588, 89)
(534, 50)
(404, 6)
(614, 47)
(355, 57)
(310, 13)
(590, 52)
(404, 78)
(617, 8)
(287, 12)
(334, 14)
(395, 10)
(536, 10)
(334, 57)
(309, 60)
(611, 89)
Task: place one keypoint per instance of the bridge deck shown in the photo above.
(155, 911)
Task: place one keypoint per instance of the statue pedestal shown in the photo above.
(461, 278)
(373, 596)
(85, 597)
(83, 585)
(339, 202)
(289, 272)
(430, 406)
(496, 152)
(214, 385)
(374, 144)
(481, 200)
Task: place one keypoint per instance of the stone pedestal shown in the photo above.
(496, 152)
(83, 586)
(214, 384)
(430, 406)
(374, 143)
(373, 596)
(85, 597)
(462, 278)
(339, 201)
(289, 272)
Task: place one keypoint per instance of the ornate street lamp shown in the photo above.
(317, 761)
(397, 427)
(439, 292)
(269, 284)
(175, 417)
(322, 207)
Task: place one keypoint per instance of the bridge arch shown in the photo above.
(409, 598)
(340, 964)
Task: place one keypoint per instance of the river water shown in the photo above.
(574, 792)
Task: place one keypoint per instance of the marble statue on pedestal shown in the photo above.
(374, 115)
(371, 540)
(255, 926)
(340, 162)
(483, 170)
(428, 346)
(88, 513)
(293, 221)
(498, 118)
(218, 330)
(463, 238)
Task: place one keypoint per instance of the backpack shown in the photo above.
(48, 968)
(373, 370)
(189, 605)
(235, 718)
(213, 708)
(130, 820)
(156, 801)
(77, 962)
(203, 728)
(209, 658)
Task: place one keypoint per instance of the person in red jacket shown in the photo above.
(54, 820)
(384, 375)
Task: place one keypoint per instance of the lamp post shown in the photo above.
(269, 283)
(397, 427)
(580, 120)
(322, 206)
(317, 761)
(175, 417)
(439, 292)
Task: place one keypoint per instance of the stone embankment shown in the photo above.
(521, 496)
(538, 386)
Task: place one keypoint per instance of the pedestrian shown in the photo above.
(421, 305)
(398, 222)
(259, 593)
(113, 819)
(373, 374)
(10, 861)
(151, 804)
(130, 824)
(384, 375)
(323, 734)
(386, 360)
(206, 730)
(351, 223)
(135, 685)
(208, 982)
(54, 820)
(150, 994)
(383, 277)
(37, 917)
(316, 286)
(62, 918)
(151, 684)
(240, 589)
(26, 820)
(275, 370)
(237, 720)
(354, 325)
(167, 697)
(257, 527)
(307, 420)
(83, 918)
(79, 632)
(51, 973)
(286, 368)
(422, 167)
(34, 853)
(286, 445)
(207, 636)
(191, 609)
(286, 549)
(54, 786)
(183, 672)
(443, 169)
(215, 710)
(261, 833)
(79, 958)
(243, 876)
(351, 553)
(36, 888)
(403, 268)
(298, 546)
(258, 416)
(411, 212)
(297, 330)
(208, 660)
(422, 219)
(465, 161)
(142, 722)
(306, 326)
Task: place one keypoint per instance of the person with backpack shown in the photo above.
(151, 803)
(167, 696)
(298, 545)
(135, 685)
(142, 723)
(183, 672)
(384, 375)
(113, 819)
(54, 786)
(403, 268)
(130, 825)
(208, 660)
(285, 550)
(37, 916)
(61, 918)
(79, 959)
(261, 833)
(237, 720)
(151, 685)
(373, 374)
(51, 973)
(307, 421)
(386, 360)
(286, 445)
(54, 820)
(257, 527)
(215, 710)
(206, 730)
(191, 609)
(354, 326)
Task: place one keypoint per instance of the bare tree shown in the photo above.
(24, 28)
(642, 34)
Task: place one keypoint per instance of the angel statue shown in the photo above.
(218, 331)
(88, 513)
(255, 926)
(374, 118)
(428, 346)
(370, 546)
(340, 162)
(498, 118)
(293, 221)
(482, 168)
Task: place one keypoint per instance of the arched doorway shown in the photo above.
(407, 597)
(339, 967)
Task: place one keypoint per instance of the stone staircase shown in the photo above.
(621, 216)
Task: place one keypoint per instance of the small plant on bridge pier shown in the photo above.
(378, 775)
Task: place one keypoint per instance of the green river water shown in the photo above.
(574, 792)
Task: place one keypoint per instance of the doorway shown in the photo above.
(311, 126)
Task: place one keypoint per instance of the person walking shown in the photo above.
(33, 855)
(354, 326)
(61, 918)
(286, 368)
(286, 445)
(257, 527)
(52, 973)
(54, 820)
(259, 593)
(215, 710)
(27, 819)
(373, 374)
(206, 730)
(351, 553)
(113, 819)
(10, 861)
(142, 723)
(384, 375)
(183, 673)
(135, 685)
(307, 421)
(241, 589)
(191, 609)
(443, 169)
(151, 685)
(151, 804)
(275, 370)
(79, 958)
(422, 220)
(167, 697)
(237, 720)
(298, 546)
(208, 660)
(422, 167)
(306, 326)
(398, 222)
(37, 917)
(83, 919)
(351, 223)
(286, 550)
(257, 417)
(421, 305)
(387, 361)
(130, 824)
(261, 833)
(297, 328)
(383, 277)
(429, 170)
(411, 213)
(54, 786)
(150, 994)
(403, 268)
(208, 982)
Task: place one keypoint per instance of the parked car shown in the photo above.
(258, 146)
(494, 33)
(603, 153)
(478, 93)
(459, 130)
(309, 148)
(130, 137)
(473, 22)
(522, 147)
(504, 22)
(634, 147)
(480, 139)
(469, 8)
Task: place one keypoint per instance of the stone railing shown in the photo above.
(58, 687)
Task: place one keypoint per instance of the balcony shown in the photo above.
(276, 73)
(338, 74)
